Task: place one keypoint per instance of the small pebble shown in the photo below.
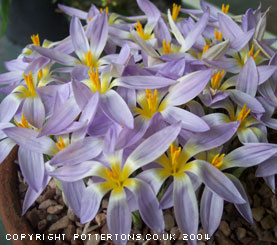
(46, 204)
(258, 213)
(55, 209)
(169, 221)
(100, 219)
(241, 233)
(60, 224)
(268, 222)
(42, 225)
(225, 228)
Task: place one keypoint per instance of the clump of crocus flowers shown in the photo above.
(142, 107)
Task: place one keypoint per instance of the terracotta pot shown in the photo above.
(10, 207)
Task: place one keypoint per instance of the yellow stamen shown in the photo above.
(206, 47)
(217, 35)
(89, 61)
(225, 9)
(140, 30)
(89, 18)
(60, 144)
(40, 74)
(175, 11)
(107, 10)
(243, 113)
(174, 154)
(30, 84)
(24, 123)
(166, 47)
(216, 79)
(251, 52)
(217, 160)
(35, 40)
(151, 100)
(94, 77)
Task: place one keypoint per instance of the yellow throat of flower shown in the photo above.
(107, 10)
(143, 34)
(251, 52)
(175, 11)
(174, 156)
(224, 8)
(206, 47)
(94, 78)
(30, 83)
(243, 113)
(216, 79)
(35, 40)
(217, 160)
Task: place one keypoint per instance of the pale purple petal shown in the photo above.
(148, 205)
(265, 72)
(78, 37)
(152, 147)
(215, 137)
(77, 152)
(249, 155)
(99, 34)
(119, 219)
(242, 98)
(167, 199)
(33, 110)
(189, 121)
(241, 41)
(61, 118)
(185, 206)
(248, 79)
(73, 11)
(27, 138)
(57, 56)
(116, 109)
(229, 28)
(216, 181)
(267, 168)
(8, 107)
(211, 209)
(196, 32)
(32, 167)
(11, 77)
(189, 87)
(90, 203)
(150, 10)
(73, 192)
(244, 209)
(144, 82)
(81, 93)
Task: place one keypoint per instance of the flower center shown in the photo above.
(107, 10)
(143, 34)
(24, 123)
(243, 113)
(216, 79)
(217, 160)
(174, 157)
(30, 83)
(206, 47)
(94, 78)
(251, 52)
(175, 11)
(166, 47)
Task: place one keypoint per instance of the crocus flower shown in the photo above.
(176, 164)
(244, 156)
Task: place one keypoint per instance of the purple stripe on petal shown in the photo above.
(11, 77)
(119, 219)
(81, 93)
(73, 11)
(268, 167)
(211, 209)
(8, 107)
(265, 72)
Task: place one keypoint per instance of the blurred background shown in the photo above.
(20, 19)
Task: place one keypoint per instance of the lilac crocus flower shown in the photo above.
(244, 156)
(116, 178)
(180, 193)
